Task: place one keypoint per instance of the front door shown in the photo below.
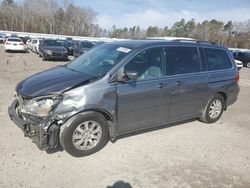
(144, 102)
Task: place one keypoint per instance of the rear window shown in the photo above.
(182, 60)
(15, 40)
(217, 59)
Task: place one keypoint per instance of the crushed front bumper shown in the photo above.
(43, 132)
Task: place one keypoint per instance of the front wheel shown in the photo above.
(85, 135)
(214, 109)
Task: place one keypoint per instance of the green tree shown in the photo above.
(178, 29)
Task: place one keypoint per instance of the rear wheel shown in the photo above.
(85, 135)
(214, 109)
(248, 65)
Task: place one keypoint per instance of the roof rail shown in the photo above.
(195, 41)
(206, 42)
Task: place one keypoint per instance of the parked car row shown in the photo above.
(48, 49)
(59, 49)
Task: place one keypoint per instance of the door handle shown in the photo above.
(162, 85)
(178, 83)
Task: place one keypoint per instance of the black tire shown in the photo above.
(67, 130)
(206, 118)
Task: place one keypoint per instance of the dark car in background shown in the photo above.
(52, 49)
(244, 57)
(69, 45)
(81, 47)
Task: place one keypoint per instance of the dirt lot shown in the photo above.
(190, 154)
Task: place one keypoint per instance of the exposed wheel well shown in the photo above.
(107, 116)
(223, 94)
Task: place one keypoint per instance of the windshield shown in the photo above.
(52, 43)
(99, 60)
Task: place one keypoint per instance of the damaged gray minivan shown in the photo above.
(122, 87)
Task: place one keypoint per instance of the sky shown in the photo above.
(127, 13)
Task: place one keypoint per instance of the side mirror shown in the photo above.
(123, 75)
(131, 75)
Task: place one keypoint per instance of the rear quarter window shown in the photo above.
(217, 59)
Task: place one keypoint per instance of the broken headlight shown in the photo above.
(40, 106)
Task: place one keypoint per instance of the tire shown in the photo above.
(214, 109)
(74, 132)
(248, 64)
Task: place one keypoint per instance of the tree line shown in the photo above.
(230, 34)
(64, 17)
(48, 16)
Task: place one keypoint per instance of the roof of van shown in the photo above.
(138, 43)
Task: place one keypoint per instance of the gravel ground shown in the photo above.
(190, 154)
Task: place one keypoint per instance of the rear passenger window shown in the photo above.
(217, 59)
(182, 60)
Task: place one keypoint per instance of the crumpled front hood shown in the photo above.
(55, 80)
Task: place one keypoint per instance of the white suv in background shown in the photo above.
(14, 44)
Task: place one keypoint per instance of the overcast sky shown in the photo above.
(127, 13)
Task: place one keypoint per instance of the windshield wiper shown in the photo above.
(69, 68)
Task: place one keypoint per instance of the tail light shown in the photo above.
(21, 44)
(237, 78)
(7, 43)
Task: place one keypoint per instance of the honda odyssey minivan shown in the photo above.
(122, 87)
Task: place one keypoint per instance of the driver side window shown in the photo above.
(149, 64)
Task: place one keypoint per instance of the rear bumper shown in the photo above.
(43, 133)
(15, 48)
